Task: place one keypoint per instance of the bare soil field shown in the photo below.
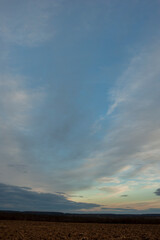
(31, 230)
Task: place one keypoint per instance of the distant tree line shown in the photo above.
(80, 218)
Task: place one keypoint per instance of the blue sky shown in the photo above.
(79, 103)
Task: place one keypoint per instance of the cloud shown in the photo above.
(132, 135)
(131, 211)
(17, 105)
(26, 23)
(108, 180)
(129, 147)
(16, 100)
(53, 138)
(42, 127)
(25, 199)
(114, 189)
(50, 143)
(157, 192)
(118, 209)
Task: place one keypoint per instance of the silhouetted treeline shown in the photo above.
(81, 218)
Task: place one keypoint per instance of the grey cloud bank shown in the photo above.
(157, 192)
(23, 198)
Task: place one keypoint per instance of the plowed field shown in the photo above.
(28, 230)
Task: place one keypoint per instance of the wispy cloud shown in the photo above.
(114, 189)
(17, 105)
(134, 138)
(108, 180)
(26, 23)
(130, 147)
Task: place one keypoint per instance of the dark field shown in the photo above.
(27, 230)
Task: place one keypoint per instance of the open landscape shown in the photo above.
(58, 226)
(79, 119)
(32, 230)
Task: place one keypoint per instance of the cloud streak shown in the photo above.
(134, 138)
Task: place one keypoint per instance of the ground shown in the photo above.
(31, 230)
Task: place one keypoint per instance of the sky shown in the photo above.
(79, 106)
